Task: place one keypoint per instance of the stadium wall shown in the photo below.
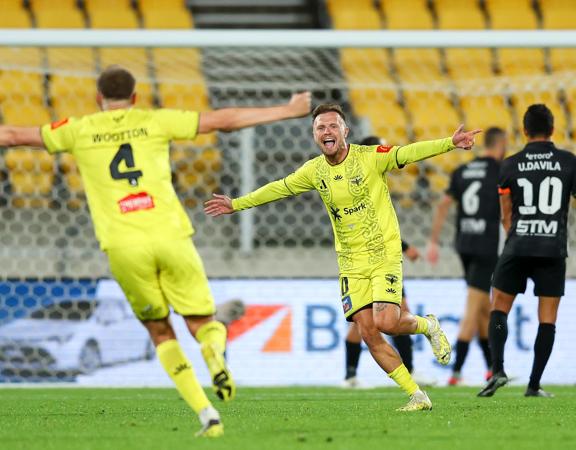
(292, 334)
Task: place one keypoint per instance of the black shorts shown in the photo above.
(478, 270)
(548, 274)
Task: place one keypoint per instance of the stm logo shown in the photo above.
(391, 278)
(181, 368)
(338, 177)
(335, 213)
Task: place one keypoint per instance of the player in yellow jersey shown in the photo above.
(123, 156)
(367, 236)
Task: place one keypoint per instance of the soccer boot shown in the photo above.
(440, 344)
(455, 379)
(419, 401)
(351, 383)
(211, 423)
(538, 393)
(222, 381)
(496, 382)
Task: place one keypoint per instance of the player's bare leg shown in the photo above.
(547, 315)
(476, 301)
(211, 335)
(390, 319)
(389, 360)
(180, 370)
(497, 334)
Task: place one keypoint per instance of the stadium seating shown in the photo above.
(558, 14)
(14, 15)
(165, 14)
(407, 14)
(433, 114)
(511, 14)
(514, 62)
(357, 15)
(57, 14)
(458, 14)
(111, 14)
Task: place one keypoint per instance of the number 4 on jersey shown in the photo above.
(125, 154)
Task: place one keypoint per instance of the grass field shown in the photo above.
(286, 418)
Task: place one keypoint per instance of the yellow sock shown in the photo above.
(422, 325)
(212, 333)
(403, 379)
(180, 370)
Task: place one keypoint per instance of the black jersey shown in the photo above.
(475, 187)
(539, 180)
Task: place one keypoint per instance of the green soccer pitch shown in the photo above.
(285, 418)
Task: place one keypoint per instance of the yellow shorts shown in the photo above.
(383, 283)
(160, 274)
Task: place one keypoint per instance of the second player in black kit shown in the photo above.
(535, 189)
(474, 189)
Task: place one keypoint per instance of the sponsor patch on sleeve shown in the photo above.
(346, 304)
(504, 191)
(384, 148)
(136, 202)
(58, 123)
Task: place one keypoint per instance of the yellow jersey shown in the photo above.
(355, 194)
(123, 158)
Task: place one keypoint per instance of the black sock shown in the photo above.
(461, 353)
(542, 350)
(485, 346)
(353, 350)
(497, 335)
(404, 346)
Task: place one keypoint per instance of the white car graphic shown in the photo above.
(72, 336)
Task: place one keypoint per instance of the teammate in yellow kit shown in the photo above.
(367, 236)
(123, 157)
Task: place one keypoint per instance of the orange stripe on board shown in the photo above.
(281, 340)
(254, 315)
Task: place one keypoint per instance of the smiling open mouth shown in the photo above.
(329, 143)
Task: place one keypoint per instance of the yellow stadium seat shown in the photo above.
(165, 14)
(16, 85)
(133, 59)
(558, 14)
(511, 14)
(525, 61)
(417, 65)
(184, 96)
(401, 185)
(438, 181)
(25, 111)
(57, 14)
(364, 65)
(407, 14)
(469, 63)
(13, 15)
(562, 59)
(72, 180)
(433, 115)
(111, 14)
(20, 58)
(71, 61)
(31, 176)
(73, 96)
(356, 18)
(485, 111)
(178, 64)
(459, 15)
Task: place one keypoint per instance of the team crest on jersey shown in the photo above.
(58, 123)
(356, 180)
(391, 278)
(384, 148)
(136, 202)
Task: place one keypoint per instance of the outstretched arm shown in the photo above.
(426, 149)
(230, 119)
(437, 224)
(14, 136)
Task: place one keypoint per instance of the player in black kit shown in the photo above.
(474, 187)
(535, 188)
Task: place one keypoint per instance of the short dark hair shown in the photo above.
(491, 136)
(370, 140)
(328, 107)
(116, 83)
(538, 121)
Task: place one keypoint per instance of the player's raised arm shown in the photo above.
(15, 136)
(426, 149)
(230, 119)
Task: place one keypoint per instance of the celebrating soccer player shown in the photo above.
(535, 188)
(123, 156)
(350, 181)
(474, 186)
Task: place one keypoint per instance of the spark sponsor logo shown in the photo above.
(354, 209)
(280, 340)
(136, 202)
